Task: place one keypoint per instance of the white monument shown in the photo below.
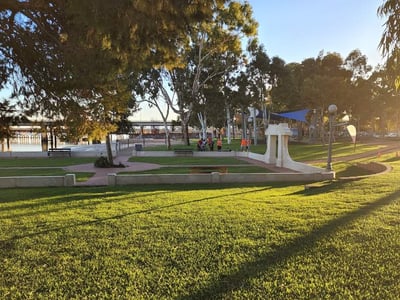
(278, 150)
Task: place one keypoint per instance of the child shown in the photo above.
(210, 143)
(243, 144)
(219, 144)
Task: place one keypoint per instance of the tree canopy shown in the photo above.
(390, 41)
(79, 62)
(213, 54)
(67, 56)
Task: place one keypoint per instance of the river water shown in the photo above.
(25, 148)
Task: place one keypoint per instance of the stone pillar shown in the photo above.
(270, 154)
(112, 179)
(283, 150)
(215, 177)
(277, 144)
(69, 180)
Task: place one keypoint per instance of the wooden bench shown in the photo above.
(183, 152)
(62, 151)
(208, 169)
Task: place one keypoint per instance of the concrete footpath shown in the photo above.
(100, 176)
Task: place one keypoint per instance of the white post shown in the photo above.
(229, 123)
(332, 111)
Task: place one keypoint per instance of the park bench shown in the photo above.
(62, 151)
(183, 152)
(208, 169)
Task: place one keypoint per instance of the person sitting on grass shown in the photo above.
(201, 145)
(210, 143)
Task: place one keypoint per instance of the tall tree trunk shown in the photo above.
(167, 136)
(109, 150)
(185, 117)
(8, 144)
(185, 131)
(169, 146)
(228, 124)
(203, 121)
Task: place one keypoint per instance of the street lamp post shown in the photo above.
(332, 109)
(250, 120)
(233, 127)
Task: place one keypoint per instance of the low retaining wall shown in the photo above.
(373, 167)
(289, 164)
(136, 179)
(303, 172)
(37, 181)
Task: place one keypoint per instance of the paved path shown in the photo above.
(100, 176)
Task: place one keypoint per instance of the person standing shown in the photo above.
(219, 144)
(243, 144)
(210, 143)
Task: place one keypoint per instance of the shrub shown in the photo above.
(102, 162)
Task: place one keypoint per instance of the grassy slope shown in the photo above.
(203, 242)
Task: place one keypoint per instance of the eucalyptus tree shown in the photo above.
(390, 47)
(390, 41)
(241, 93)
(213, 106)
(262, 76)
(181, 42)
(324, 81)
(360, 90)
(287, 92)
(148, 87)
(77, 55)
(9, 116)
(214, 49)
(259, 71)
(55, 41)
(318, 82)
(384, 112)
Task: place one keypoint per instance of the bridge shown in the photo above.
(150, 123)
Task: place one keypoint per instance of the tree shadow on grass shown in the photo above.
(83, 194)
(241, 277)
(316, 188)
(116, 217)
(75, 201)
(393, 159)
(53, 200)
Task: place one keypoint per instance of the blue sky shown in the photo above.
(299, 29)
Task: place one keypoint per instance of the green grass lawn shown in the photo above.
(310, 152)
(6, 172)
(189, 160)
(45, 161)
(298, 151)
(337, 241)
(43, 167)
